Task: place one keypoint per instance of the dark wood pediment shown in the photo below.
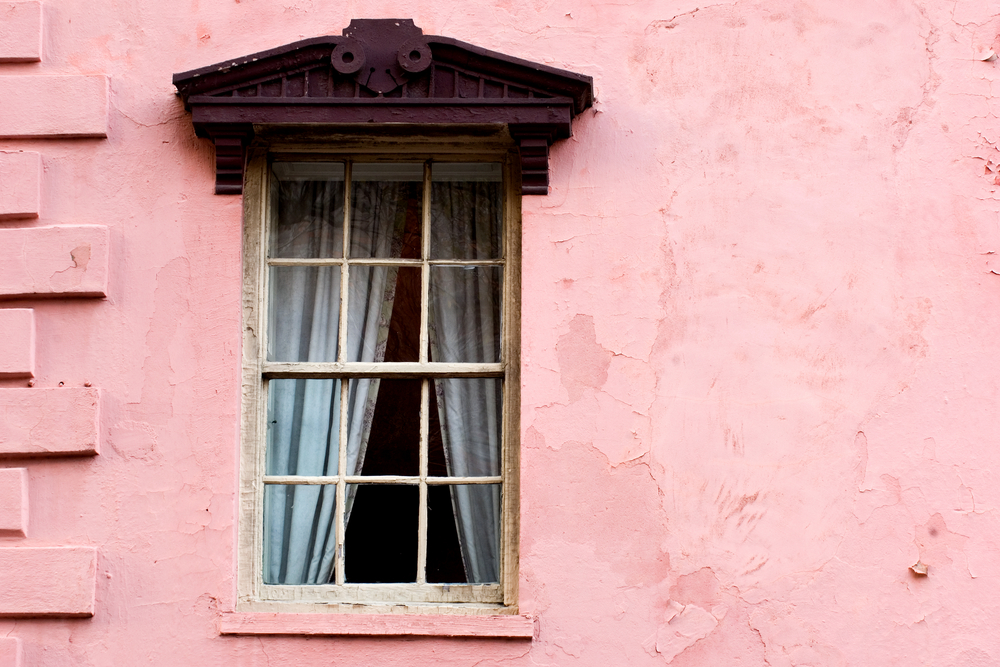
(382, 71)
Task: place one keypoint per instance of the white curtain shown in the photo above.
(304, 415)
(380, 210)
(465, 327)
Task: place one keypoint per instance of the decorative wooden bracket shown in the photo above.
(231, 143)
(534, 165)
(381, 72)
(533, 143)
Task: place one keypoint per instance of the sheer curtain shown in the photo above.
(377, 231)
(465, 327)
(304, 415)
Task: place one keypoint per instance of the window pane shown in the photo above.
(392, 445)
(386, 209)
(381, 541)
(383, 319)
(304, 309)
(299, 533)
(476, 526)
(362, 396)
(444, 555)
(310, 210)
(465, 313)
(303, 427)
(466, 414)
(466, 210)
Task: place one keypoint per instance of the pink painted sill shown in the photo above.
(518, 627)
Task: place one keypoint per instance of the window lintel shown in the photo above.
(383, 72)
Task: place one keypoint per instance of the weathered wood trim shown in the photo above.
(252, 430)
(511, 340)
(352, 369)
(386, 594)
(253, 595)
(378, 479)
(379, 261)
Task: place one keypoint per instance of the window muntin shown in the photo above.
(440, 368)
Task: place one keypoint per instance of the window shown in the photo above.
(380, 409)
(380, 369)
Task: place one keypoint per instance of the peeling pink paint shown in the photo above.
(54, 261)
(760, 371)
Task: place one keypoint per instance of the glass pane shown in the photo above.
(392, 445)
(310, 220)
(362, 396)
(300, 536)
(466, 210)
(475, 524)
(465, 420)
(381, 541)
(383, 319)
(303, 427)
(304, 309)
(465, 313)
(386, 209)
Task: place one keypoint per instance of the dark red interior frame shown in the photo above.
(383, 71)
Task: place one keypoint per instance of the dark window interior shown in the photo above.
(381, 540)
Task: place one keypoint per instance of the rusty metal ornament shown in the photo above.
(383, 41)
(348, 57)
(414, 55)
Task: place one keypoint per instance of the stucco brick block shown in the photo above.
(48, 581)
(54, 421)
(17, 333)
(13, 502)
(20, 185)
(54, 106)
(20, 32)
(10, 652)
(53, 261)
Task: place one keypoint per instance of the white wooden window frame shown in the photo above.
(420, 597)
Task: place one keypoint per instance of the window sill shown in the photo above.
(381, 625)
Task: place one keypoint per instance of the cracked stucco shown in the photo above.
(813, 358)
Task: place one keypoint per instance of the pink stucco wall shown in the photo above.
(760, 335)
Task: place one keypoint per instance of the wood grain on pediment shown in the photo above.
(440, 82)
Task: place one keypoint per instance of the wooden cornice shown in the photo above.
(382, 71)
